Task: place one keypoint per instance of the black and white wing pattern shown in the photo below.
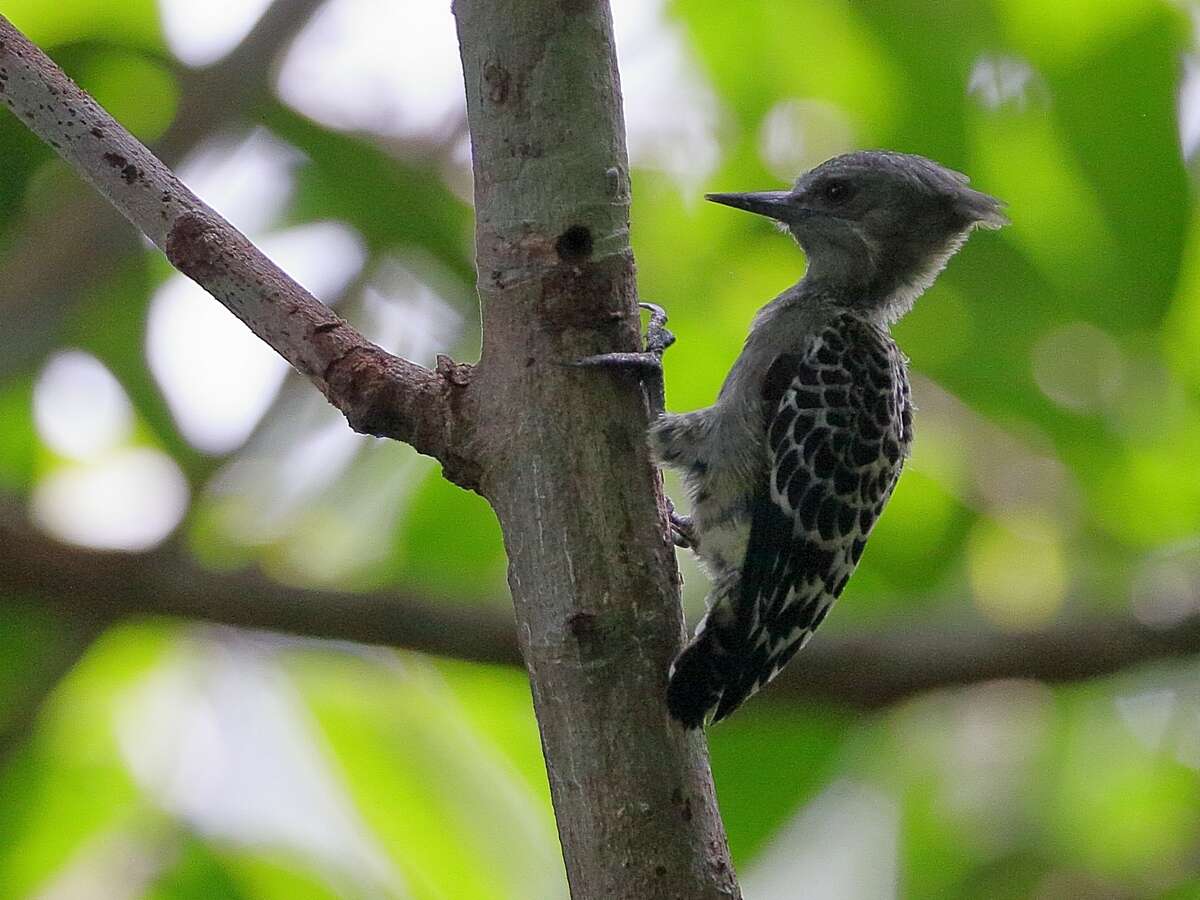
(839, 425)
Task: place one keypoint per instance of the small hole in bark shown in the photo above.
(574, 244)
(582, 624)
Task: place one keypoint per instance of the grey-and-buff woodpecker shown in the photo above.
(791, 466)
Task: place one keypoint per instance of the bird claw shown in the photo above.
(649, 360)
(644, 362)
(658, 336)
(683, 529)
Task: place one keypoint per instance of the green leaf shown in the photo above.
(70, 785)
(133, 23)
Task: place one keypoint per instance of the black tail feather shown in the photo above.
(704, 685)
(718, 671)
(695, 687)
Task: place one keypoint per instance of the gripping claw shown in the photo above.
(647, 364)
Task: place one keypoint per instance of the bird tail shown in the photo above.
(710, 678)
(725, 664)
(698, 681)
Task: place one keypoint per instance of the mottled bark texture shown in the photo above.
(563, 454)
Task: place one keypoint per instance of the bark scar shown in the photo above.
(193, 247)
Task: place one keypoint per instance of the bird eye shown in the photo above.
(836, 191)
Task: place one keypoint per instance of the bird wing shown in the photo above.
(838, 427)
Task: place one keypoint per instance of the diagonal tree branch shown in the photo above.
(43, 272)
(379, 394)
(866, 672)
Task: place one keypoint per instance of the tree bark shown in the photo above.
(559, 452)
(566, 467)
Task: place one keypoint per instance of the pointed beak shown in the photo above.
(780, 205)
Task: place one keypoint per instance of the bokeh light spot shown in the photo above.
(218, 378)
(79, 409)
(997, 81)
(1017, 570)
(1166, 586)
(200, 32)
(373, 65)
(129, 500)
(1078, 366)
(246, 178)
(1189, 108)
(798, 134)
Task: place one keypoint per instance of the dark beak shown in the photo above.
(779, 205)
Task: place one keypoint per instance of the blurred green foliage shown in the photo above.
(1053, 477)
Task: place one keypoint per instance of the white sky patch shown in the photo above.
(842, 846)
(200, 32)
(387, 66)
(305, 466)
(1189, 108)
(393, 68)
(298, 454)
(218, 378)
(127, 500)
(79, 408)
(406, 316)
(671, 112)
(1188, 96)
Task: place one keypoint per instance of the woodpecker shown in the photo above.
(790, 468)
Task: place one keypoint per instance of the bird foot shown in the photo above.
(683, 529)
(647, 364)
(649, 360)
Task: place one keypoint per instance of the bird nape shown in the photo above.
(790, 468)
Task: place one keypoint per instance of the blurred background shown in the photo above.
(165, 479)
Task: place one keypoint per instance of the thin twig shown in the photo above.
(43, 276)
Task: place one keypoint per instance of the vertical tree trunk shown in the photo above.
(559, 452)
(566, 468)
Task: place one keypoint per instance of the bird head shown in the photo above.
(877, 227)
